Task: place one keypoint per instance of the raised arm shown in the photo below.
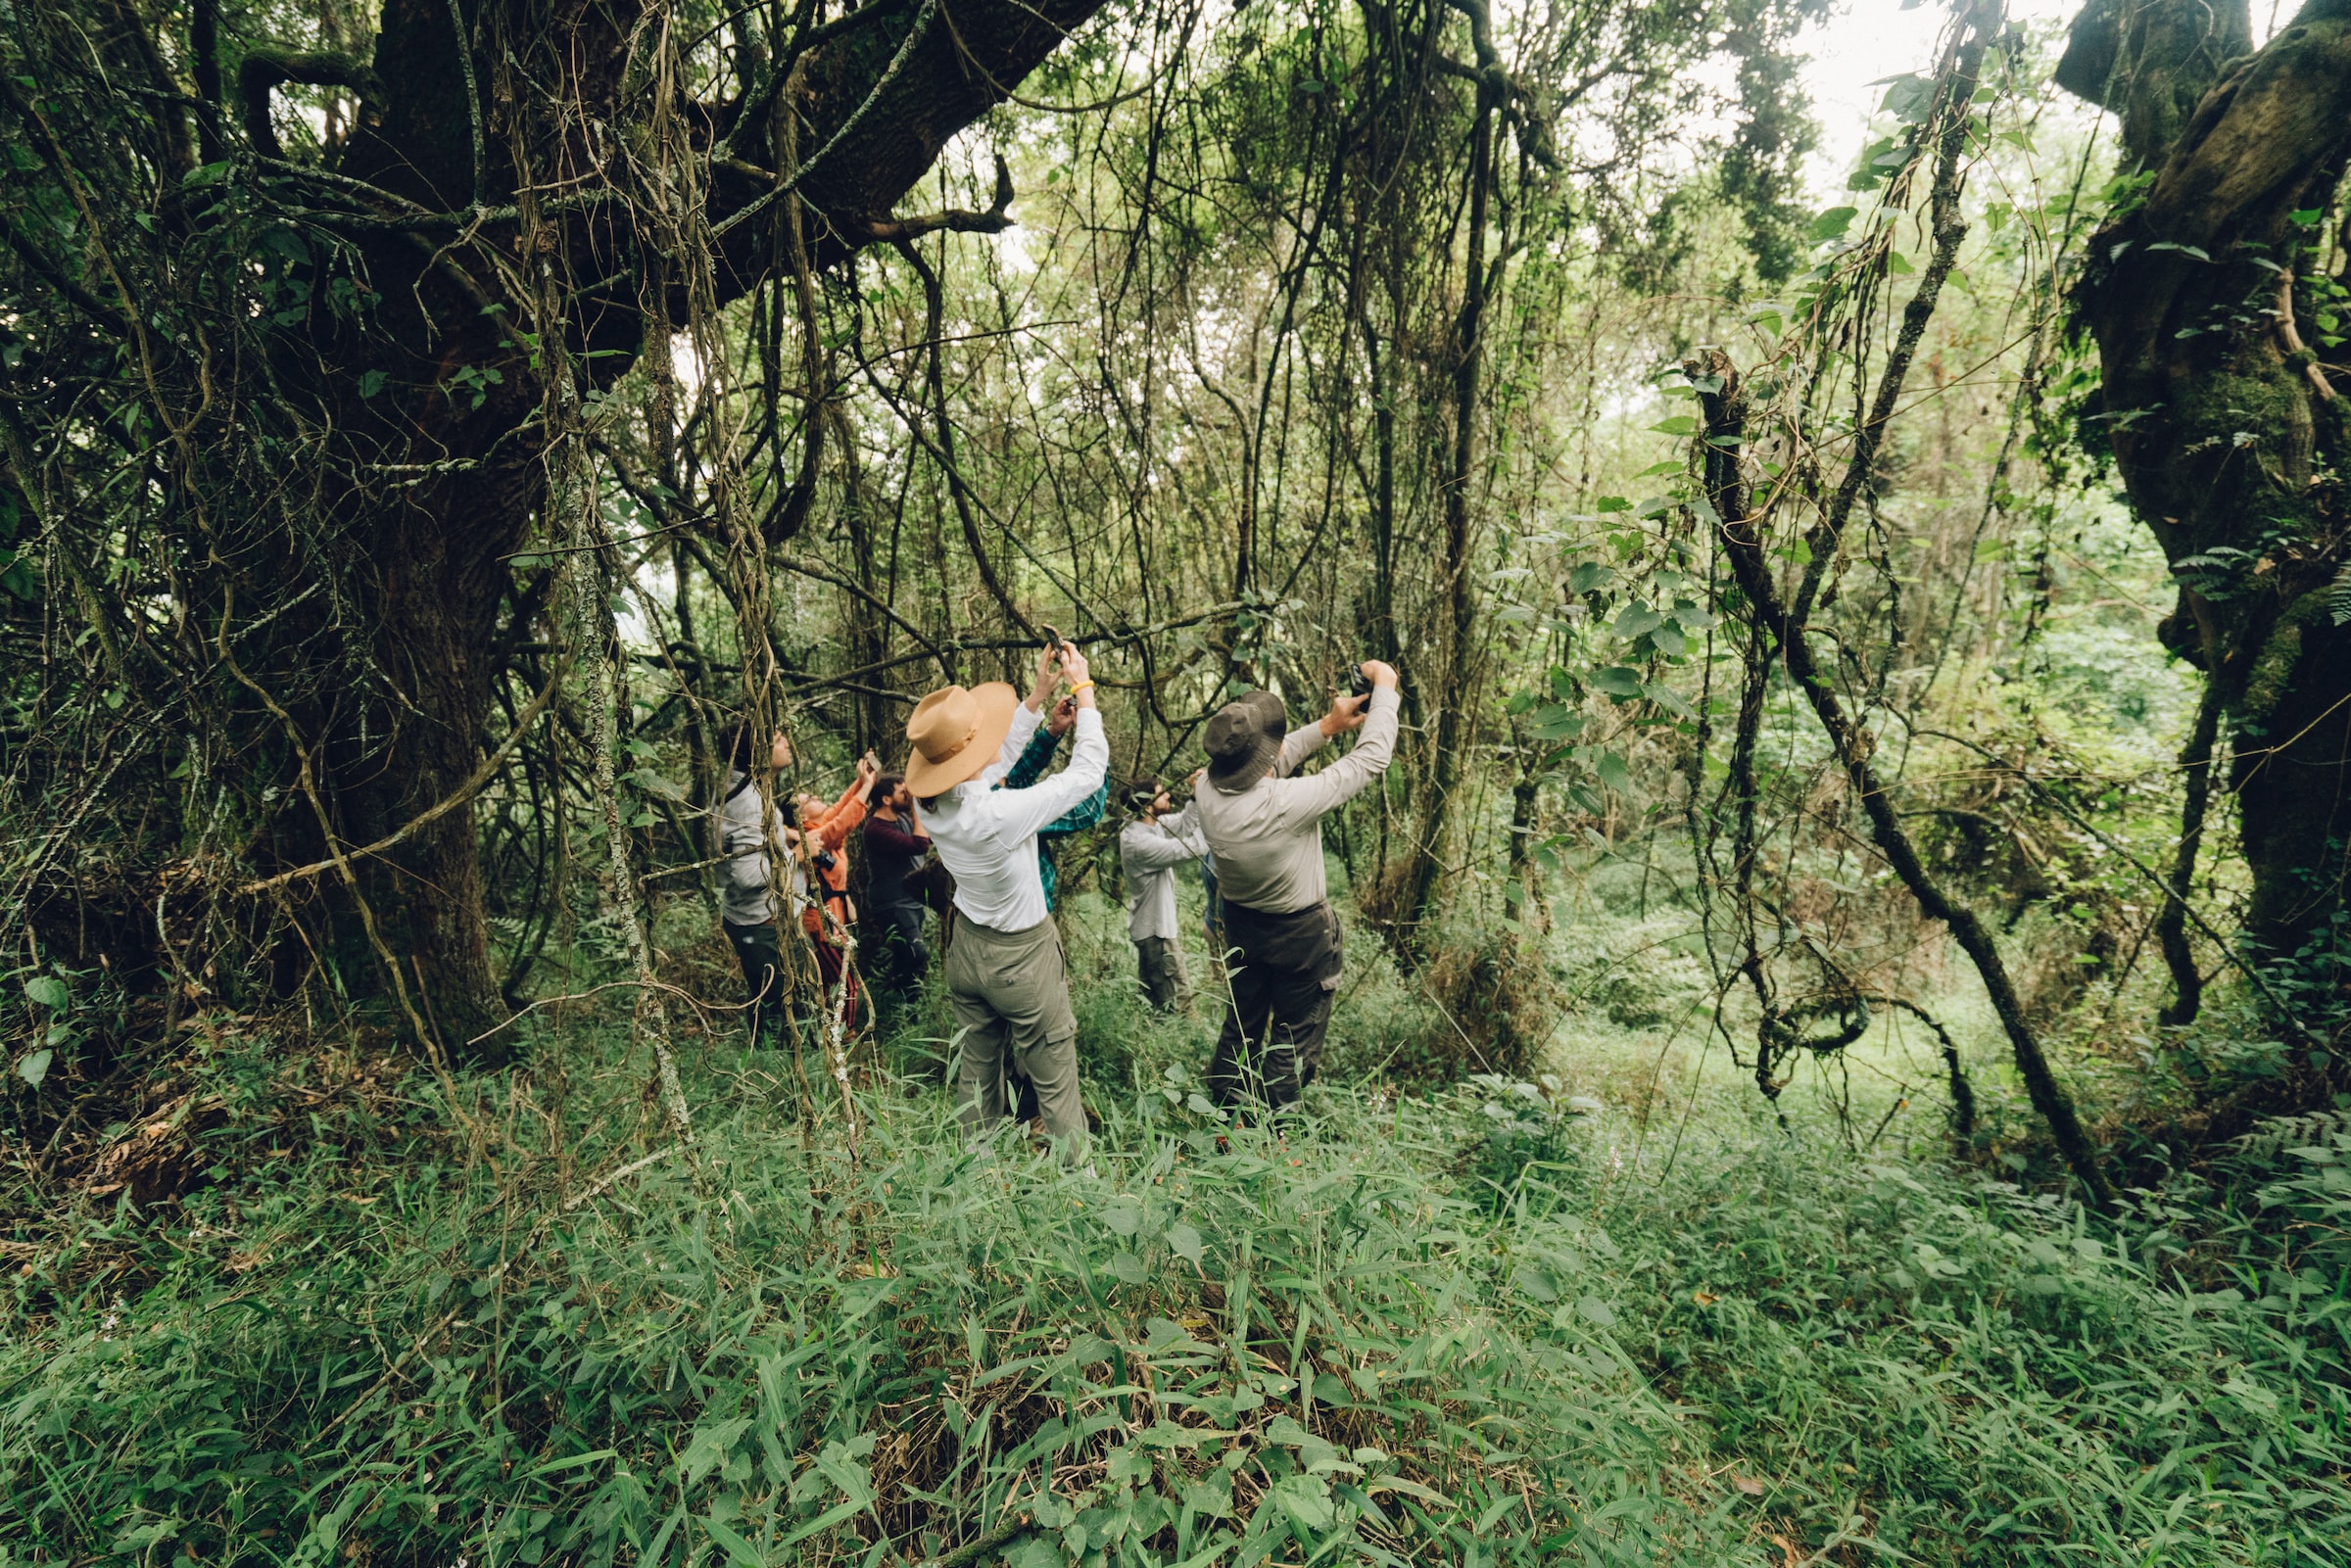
(1034, 762)
(1298, 745)
(842, 820)
(1184, 826)
(1149, 846)
(1022, 812)
(1337, 784)
(1025, 720)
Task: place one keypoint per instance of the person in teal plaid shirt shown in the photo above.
(1029, 768)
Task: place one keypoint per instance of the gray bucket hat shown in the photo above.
(1244, 741)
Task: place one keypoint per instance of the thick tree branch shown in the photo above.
(267, 68)
(82, 299)
(955, 220)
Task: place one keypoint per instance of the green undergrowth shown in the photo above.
(1489, 1325)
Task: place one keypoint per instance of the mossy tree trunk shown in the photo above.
(2228, 432)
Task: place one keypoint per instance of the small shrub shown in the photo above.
(1528, 1128)
(1502, 1003)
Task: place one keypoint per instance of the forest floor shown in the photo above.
(1620, 1315)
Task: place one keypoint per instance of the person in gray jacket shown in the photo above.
(1150, 848)
(1264, 827)
(750, 827)
(753, 902)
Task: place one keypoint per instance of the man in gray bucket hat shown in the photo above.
(1263, 828)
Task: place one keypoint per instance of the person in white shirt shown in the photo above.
(1150, 848)
(1006, 980)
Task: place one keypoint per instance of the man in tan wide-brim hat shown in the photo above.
(1005, 976)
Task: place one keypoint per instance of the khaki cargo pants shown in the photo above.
(1011, 998)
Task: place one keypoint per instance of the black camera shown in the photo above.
(1359, 685)
(825, 860)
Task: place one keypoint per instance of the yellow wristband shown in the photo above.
(1083, 686)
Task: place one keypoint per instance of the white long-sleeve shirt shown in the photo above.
(1267, 840)
(986, 838)
(1149, 853)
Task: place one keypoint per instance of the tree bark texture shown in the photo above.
(2225, 428)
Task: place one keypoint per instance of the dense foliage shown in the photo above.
(1840, 1047)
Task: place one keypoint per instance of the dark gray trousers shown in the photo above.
(763, 981)
(1159, 963)
(1285, 969)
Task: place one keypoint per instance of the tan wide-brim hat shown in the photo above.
(955, 734)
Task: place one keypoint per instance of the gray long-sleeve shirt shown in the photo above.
(1149, 853)
(1267, 840)
(744, 837)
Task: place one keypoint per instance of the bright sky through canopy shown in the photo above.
(1860, 45)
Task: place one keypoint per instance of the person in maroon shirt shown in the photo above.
(894, 841)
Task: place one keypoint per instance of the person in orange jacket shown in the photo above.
(822, 831)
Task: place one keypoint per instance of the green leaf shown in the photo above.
(1691, 617)
(50, 992)
(708, 1449)
(1833, 223)
(1556, 721)
(572, 1464)
(1611, 504)
(1211, 1497)
(1185, 1242)
(372, 382)
(738, 1551)
(1666, 697)
(1636, 621)
(33, 1067)
(1305, 1501)
(1614, 681)
(841, 1466)
(1680, 424)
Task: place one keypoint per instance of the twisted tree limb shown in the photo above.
(1725, 409)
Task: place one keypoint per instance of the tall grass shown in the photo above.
(1468, 1328)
